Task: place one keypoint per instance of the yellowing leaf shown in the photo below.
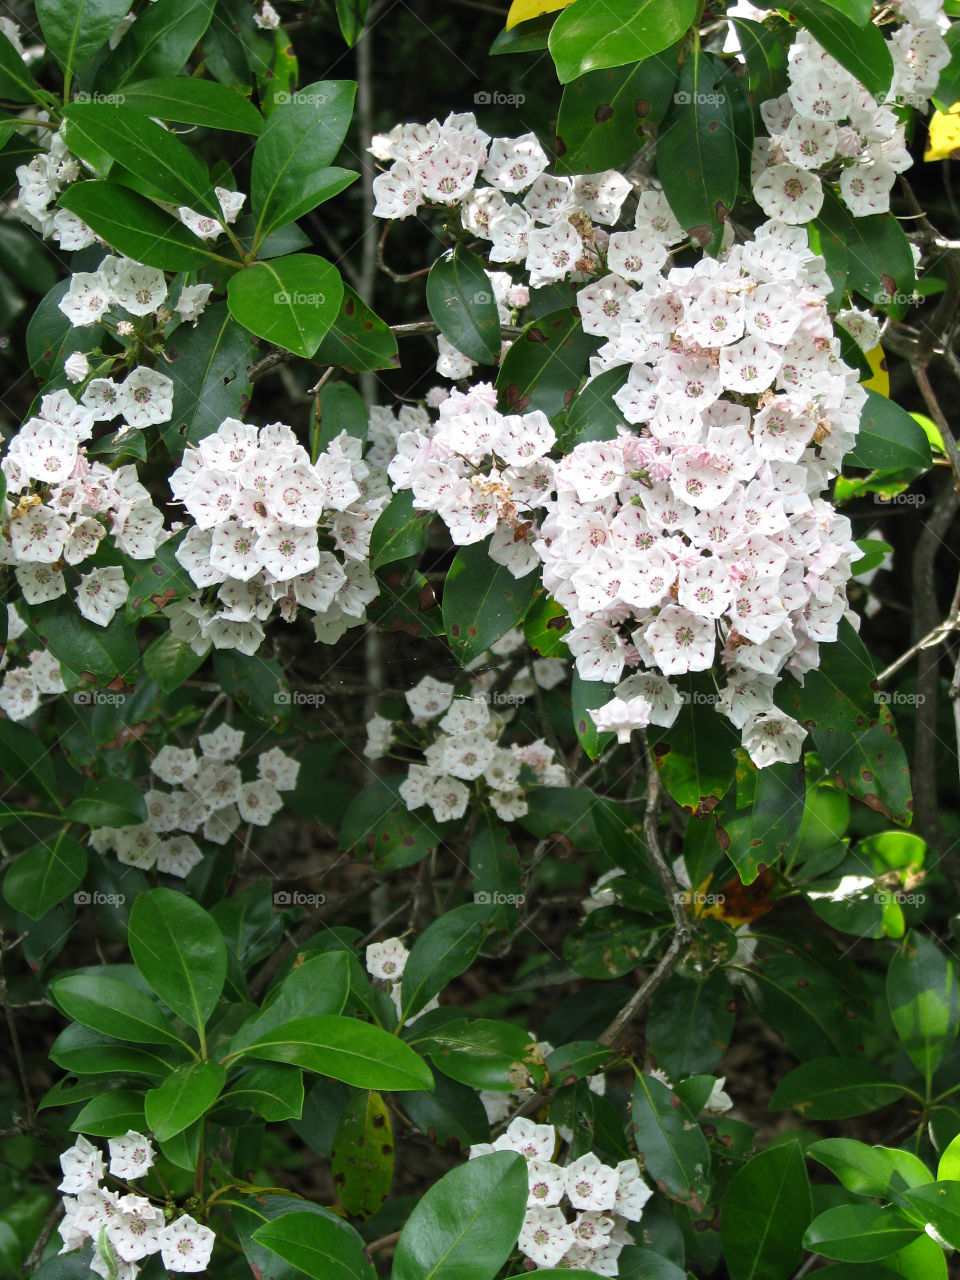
(880, 379)
(943, 138)
(524, 10)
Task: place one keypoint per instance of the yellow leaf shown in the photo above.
(524, 10)
(880, 379)
(943, 138)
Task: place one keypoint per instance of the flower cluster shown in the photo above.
(550, 231)
(22, 687)
(41, 181)
(266, 525)
(67, 505)
(209, 795)
(459, 741)
(386, 961)
(827, 127)
(509, 298)
(125, 1229)
(602, 1199)
(139, 291)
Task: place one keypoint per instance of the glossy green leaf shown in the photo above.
(16, 82)
(84, 1052)
(889, 437)
(187, 1094)
(939, 1204)
(111, 1114)
(593, 414)
(871, 764)
(290, 301)
(273, 1091)
(467, 1224)
(135, 226)
(179, 950)
(377, 821)
(460, 299)
(696, 768)
(758, 819)
(445, 949)
(320, 985)
(106, 1004)
(358, 339)
(674, 1151)
(351, 15)
(114, 802)
(352, 1051)
(766, 1210)
(546, 363)
(689, 1026)
(288, 175)
(483, 1053)
(109, 655)
(879, 261)
(188, 100)
(924, 1002)
(75, 29)
(495, 868)
(451, 1116)
(859, 1233)
(592, 34)
(482, 601)
(862, 50)
(400, 531)
(317, 1247)
(835, 1088)
(26, 763)
(587, 696)
(870, 1171)
(44, 876)
(158, 44)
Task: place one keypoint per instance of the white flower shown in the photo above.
(590, 1184)
(186, 1245)
(82, 1166)
(514, 163)
(545, 1235)
(279, 769)
(174, 765)
(429, 698)
(632, 1192)
(258, 802)
(718, 1102)
(546, 1181)
(101, 593)
(224, 743)
(76, 366)
(138, 289)
(192, 301)
(135, 1232)
(201, 224)
(130, 1156)
(231, 202)
(386, 959)
(148, 397)
(38, 534)
(178, 856)
(533, 1141)
(789, 193)
(773, 736)
(622, 717)
(88, 297)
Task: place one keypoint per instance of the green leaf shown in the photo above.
(460, 299)
(111, 1115)
(355, 1052)
(862, 50)
(758, 819)
(290, 301)
(766, 58)
(859, 1233)
(446, 948)
(179, 950)
(157, 164)
(948, 1169)
(169, 662)
(482, 601)
(889, 437)
(834, 1089)
(576, 1061)
(157, 582)
(587, 696)
(592, 34)
(400, 531)
(839, 693)
(545, 364)
(697, 161)
(766, 1210)
(362, 1158)
(16, 82)
(879, 261)
(101, 654)
(115, 802)
(84, 1052)
(483, 1053)
(317, 1247)
(495, 868)
(318, 986)
(858, 11)
(159, 42)
(274, 1092)
(44, 876)
(257, 684)
(562, 811)
(208, 367)
(358, 339)
(134, 226)
(923, 999)
(288, 174)
(675, 1153)
(939, 1204)
(25, 762)
(871, 764)
(467, 1224)
(870, 1171)
(604, 114)
(452, 1116)
(695, 767)
(75, 29)
(352, 14)
(187, 100)
(689, 1027)
(593, 413)
(377, 821)
(187, 1094)
(117, 1009)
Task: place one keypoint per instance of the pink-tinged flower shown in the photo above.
(130, 1156)
(789, 193)
(681, 641)
(101, 593)
(513, 163)
(622, 717)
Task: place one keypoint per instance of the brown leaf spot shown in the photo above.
(603, 113)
